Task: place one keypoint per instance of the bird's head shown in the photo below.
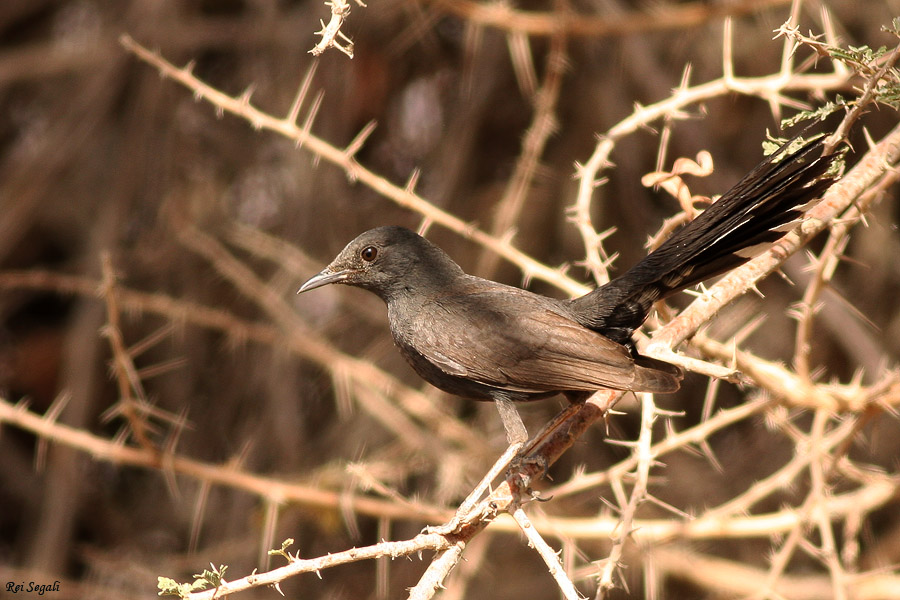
(388, 261)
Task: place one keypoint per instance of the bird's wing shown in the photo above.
(511, 339)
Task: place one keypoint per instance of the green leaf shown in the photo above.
(283, 551)
(209, 578)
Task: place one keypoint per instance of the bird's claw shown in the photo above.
(518, 469)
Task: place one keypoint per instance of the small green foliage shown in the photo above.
(213, 578)
(773, 143)
(837, 166)
(876, 65)
(820, 113)
(894, 27)
(170, 587)
(890, 95)
(283, 550)
(859, 58)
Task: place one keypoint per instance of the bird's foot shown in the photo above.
(527, 469)
(523, 471)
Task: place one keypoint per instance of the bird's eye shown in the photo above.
(369, 253)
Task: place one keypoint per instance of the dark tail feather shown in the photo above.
(745, 221)
(652, 375)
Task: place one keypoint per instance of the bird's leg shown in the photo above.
(516, 435)
(512, 422)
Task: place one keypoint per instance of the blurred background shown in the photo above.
(209, 226)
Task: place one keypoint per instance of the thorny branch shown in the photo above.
(821, 457)
(507, 495)
(331, 34)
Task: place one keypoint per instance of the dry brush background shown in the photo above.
(167, 402)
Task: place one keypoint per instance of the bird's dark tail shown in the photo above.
(745, 221)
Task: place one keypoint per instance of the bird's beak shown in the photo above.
(324, 278)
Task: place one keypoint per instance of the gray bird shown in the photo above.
(481, 339)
